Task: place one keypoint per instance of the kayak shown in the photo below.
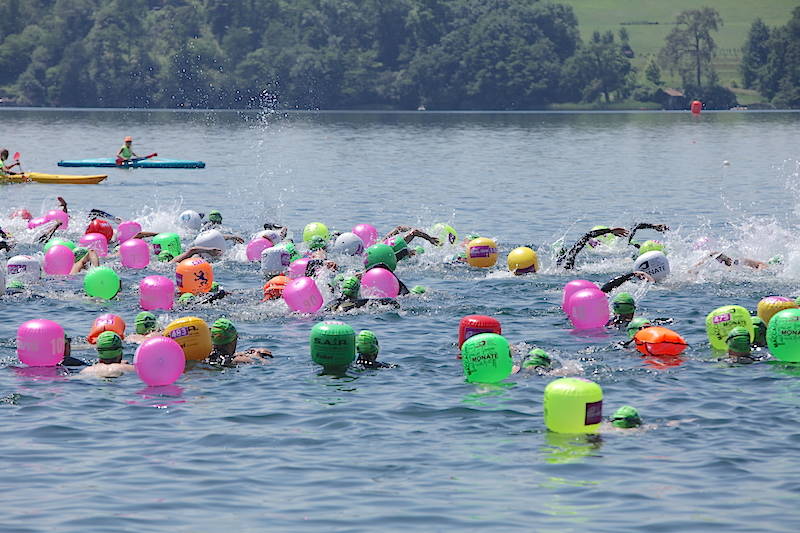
(38, 177)
(145, 163)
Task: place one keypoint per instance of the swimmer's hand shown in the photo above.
(234, 238)
(619, 232)
(260, 352)
(660, 227)
(62, 202)
(644, 276)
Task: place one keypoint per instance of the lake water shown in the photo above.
(282, 447)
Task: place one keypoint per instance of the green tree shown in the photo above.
(754, 53)
(600, 68)
(690, 47)
(652, 73)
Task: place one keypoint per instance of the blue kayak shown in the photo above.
(145, 163)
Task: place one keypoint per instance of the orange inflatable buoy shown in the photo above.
(107, 322)
(656, 340)
(697, 107)
(194, 275)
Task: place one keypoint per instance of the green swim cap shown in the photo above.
(215, 217)
(317, 243)
(537, 357)
(350, 287)
(165, 256)
(381, 254)
(367, 343)
(738, 340)
(291, 249)
(623, 304)
(418, 289)
(214, 286)
(636, 324)
(80, 252)
(223, 331)
(775, 260)
(419, 250)
(16, 284)
(145, 322)
(109, 345)
(626, 417)
(652, 246)
(759, 331)
(185, 298)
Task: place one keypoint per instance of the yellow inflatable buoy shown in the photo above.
(771, 305)
(522, 260)
(482, 252)
(573, 405)
(193, 335)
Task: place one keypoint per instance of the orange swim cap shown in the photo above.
(128, 139)
(273, 289)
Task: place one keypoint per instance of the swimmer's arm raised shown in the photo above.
(145, 235)
(646, 225)
(194, 250)
(568, 258)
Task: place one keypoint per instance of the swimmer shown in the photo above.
(6, 243)
(566, 258)
(739, 352)
(626, 417)
(68, 359)
(97, 213)
(624, 307)
(224, 337)
(759, 332)
(146, 327)
(215, 293)
(367, 348)
(350, 299)
(274, 232)
(191, 252)
(5, 169)
(110, 363)
(729, 262)
(214, 220)
(126, 153)
(84, 259)
(537, 361)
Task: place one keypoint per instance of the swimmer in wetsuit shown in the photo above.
(739, 351)
(566, 258)
(224, 338)
(110, 363)
(350, 299)
(367, 348)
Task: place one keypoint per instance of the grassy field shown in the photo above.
(648, 39)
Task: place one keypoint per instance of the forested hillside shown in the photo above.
(310, 54)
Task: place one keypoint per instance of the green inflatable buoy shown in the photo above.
(333, 344)
(783, 335)
(486, 358)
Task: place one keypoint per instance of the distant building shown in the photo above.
(671, 98)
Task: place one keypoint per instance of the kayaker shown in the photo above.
(126, 153)
(4, 168)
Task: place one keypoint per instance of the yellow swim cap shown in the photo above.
(522, 260)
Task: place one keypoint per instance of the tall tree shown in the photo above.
(754, 52)
(690, 47)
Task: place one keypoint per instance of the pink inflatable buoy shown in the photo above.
(368, 234)
(571, 288)
(126, 230)
(36, 222)
(379, 283)
(156, 292)
(58, 260)
(302, 295)
(297, 268)
(134, 253)
(256, 246)
(159, 361)
(96, 242)
(588, 308)
(40, 342)
(58, 214)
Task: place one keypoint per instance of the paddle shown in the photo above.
(121, 162)
(16, 158)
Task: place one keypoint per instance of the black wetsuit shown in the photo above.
(366, 364)
(345, 304)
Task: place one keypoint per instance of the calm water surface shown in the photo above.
(282, 447)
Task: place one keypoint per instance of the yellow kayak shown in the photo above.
(38, 177)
